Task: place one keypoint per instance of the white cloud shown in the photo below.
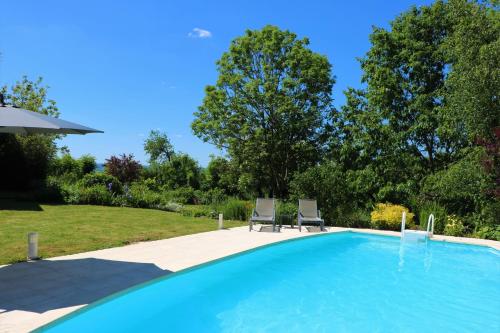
(200, 33)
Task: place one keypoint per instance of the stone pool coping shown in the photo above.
(39, 292)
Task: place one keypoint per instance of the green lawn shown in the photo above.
(67, 229)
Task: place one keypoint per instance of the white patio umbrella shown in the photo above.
(19, 121)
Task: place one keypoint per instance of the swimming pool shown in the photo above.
(344, 282)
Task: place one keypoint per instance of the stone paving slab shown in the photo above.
(35, 293)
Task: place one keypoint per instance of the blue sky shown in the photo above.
(127, 67)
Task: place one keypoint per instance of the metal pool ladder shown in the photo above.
(417, 235)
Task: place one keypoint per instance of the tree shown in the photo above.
(158, 147)
(181, 171)
(473, 49)
(220, 174)
(124, 167)
(25, 158)
(268, 106)
(405, 71)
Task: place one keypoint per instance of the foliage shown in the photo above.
(212, 196)
(462, 187)
(454, 226)
(124, 167)
(181, 171)
(328, 185)
(69, 169)
(158, 147)
(100, 178)
(65, 166)
(25, 158)
(140, 196)
(198, 211)
(183, 195)
(473, 84)
(439, 213)
(286, 212)
(357, 218)
(87, 164)
(221, 174)
(388, 217)
(268, 106)
(234, 209)
(405, 72)
(50, 192)
(287, 208)
(488, 232)
(94, 195)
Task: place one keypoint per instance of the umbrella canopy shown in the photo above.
(18, 121)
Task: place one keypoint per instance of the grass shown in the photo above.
(68, 229)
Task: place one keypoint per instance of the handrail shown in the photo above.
(430, 222)
(403, 224)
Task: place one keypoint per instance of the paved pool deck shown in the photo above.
(35, 293)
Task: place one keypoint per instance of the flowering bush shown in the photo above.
(388, 217)
(454, 226)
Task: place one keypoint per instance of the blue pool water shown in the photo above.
(347, 282)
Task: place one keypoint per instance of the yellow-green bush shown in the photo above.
(454, 226)
(388, 217)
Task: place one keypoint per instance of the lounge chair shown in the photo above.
(264, 212)
(309, 213)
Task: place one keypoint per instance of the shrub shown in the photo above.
(151, 184)
(388, 217)
(234, 209)
(94, 195)
(87, 164)
(50, 192)
(182, 195)
(180, 171)
(63, 165)
(70, 170)
(488, 232)
(286, 212)
(100, 178)
(140, 196)
(124, 167)
(462, 188)
(327, 183)
(401, 193)
(454, 226)
(213, 196)
(198, 211)
(439, 213)
(357, 218)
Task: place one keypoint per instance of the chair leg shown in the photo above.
(322, 226)
(300, 226)
(274, 226)
(250, 226)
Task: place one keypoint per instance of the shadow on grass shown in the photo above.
(52, 284)
(19, 204)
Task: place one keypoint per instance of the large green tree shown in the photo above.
(405, 72)
(268, 106)
(25, 158)
(473, 84)
(430, 93)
